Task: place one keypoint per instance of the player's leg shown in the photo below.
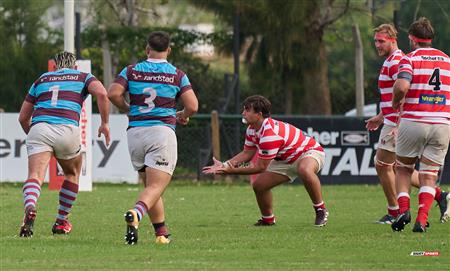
(384, 165)
(404, 168)
(409, 146)
(37, 167)
(440, 196)
(153, 151)
(67, 147)
(39, 149)
(432, 159)
(427, 177)
(157, 218)
(307, 169)
(68, 193)
(262, 187)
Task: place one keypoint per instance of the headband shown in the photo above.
(416, 39)
(379, 36)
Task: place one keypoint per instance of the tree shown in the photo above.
(286, 52)
(27, 44)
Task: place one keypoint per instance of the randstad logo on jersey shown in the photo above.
(160, 78)
(432, 99)
(67, 77)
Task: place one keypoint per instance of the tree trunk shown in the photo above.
(316, 98)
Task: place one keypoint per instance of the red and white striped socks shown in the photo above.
(31, 192)
(67, 196)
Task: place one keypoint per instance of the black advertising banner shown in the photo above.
(349, 148)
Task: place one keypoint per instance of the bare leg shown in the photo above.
(262, 187)
(386, 174)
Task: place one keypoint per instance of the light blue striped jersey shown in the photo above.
(154, 86)
(58, 96)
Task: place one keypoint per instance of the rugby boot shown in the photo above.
(264, 222)
(162, 240)
(321, 217)
(401, 221)
(26, 230)
(387, 219)
(131, 235)
(418, 227)
(444, 206)
(62, 228)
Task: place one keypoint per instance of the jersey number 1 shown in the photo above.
(55, 91)
(435, 80)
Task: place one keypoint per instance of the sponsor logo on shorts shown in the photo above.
(162, 163)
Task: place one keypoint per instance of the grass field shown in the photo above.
(211, 228)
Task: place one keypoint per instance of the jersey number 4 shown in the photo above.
(151, 92)
(435, 80)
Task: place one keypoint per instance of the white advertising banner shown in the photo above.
(109, 164)
(86, 134)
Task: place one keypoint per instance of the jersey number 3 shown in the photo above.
(148, 100)
(435, 80)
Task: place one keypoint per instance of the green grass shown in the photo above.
(211, 227)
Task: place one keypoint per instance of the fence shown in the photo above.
(349, 147)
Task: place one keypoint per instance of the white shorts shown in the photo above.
(416, 139)
(290, 170)
(387, 139)
(154, 147)
(61, 139)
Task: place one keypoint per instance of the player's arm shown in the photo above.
(115, 95)
(401, 87)
(402, 82)
(259, 166)
(242, 157)
(97, 89)
(26, 111)
(190, 104)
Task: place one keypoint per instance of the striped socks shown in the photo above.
(31, 192)
(141, 209)
(67, 196)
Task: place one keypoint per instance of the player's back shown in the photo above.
(154, 86)
(58, 96)
(428, 99)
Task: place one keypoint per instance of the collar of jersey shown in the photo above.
(261, 129)
(156, 60)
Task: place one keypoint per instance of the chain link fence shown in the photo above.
(194, 143)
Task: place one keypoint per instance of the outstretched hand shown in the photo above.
(374, 123)
(216, 168)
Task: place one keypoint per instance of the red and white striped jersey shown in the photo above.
(428, 97)
(386, 80)
(280, 141)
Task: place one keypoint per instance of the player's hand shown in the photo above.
(374, 123)
(216, 168)
(181, 119)
(104, 129)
